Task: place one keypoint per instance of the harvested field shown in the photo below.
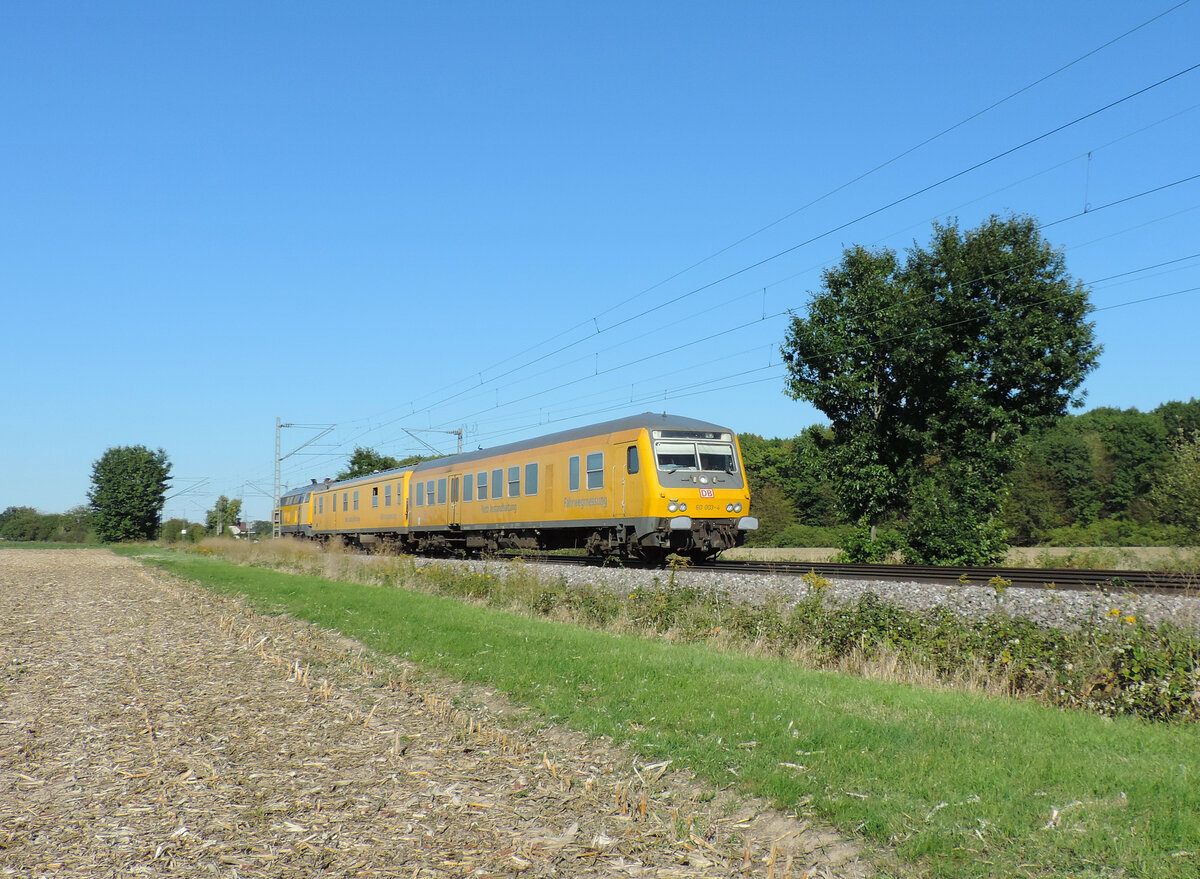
(150, 728)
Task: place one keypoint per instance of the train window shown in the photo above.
(374, 497)
(453, 489)
(420, 494)
(497, 484)
(468, 486)
(631, 460)
(675, 456)
(356, 498)
(442, 490)
(321, 504)
(429, 492)
(482, 480)
(595, 470)
(387, 495)
(531, 480)
(573, 473)
(345, 501)
(717, 456)
(514, 481)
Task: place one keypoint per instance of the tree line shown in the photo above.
(126, 500)
(1107, 477)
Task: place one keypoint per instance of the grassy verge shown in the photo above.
(960, 785)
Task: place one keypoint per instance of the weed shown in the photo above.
(815, 582)
(1000, 585)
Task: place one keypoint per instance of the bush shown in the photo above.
(177, 530)
(1118, 532)
(858, 547)
(27, 524)
(811, 535)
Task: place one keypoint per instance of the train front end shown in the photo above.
(700, 496)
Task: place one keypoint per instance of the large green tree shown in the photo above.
(834, 361)
(931, 369)
(129, 487)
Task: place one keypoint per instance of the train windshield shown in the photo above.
(674, 456)
(717, 456)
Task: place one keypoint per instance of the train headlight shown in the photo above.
(737, 508)
(672, 507)
(729, 508)
(682, 507)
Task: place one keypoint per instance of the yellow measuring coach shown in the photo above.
(641, 487)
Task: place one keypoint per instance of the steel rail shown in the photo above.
(1037, 578)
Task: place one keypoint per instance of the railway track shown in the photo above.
(1036, 578)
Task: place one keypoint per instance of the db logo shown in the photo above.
(706, 492)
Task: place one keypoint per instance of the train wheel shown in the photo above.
(654, 555)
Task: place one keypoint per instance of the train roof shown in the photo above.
(647, 420)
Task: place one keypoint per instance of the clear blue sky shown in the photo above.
(522, 217)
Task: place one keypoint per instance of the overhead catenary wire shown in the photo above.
(826, 233)
(363, 433)
(766, 317)
(371, 428)
(847, 224)
(694, 388)
(674, 392)
(594, 319)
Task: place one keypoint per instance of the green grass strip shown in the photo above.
(959, 785)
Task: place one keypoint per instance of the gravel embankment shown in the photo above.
(1062, 608)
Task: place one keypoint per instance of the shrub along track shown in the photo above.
(148, 727)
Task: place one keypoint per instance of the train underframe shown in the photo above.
(698, 540)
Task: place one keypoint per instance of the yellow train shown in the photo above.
(639, 487)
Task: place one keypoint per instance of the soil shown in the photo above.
(150, 728)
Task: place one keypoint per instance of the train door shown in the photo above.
(631, 492)
(452, 513)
